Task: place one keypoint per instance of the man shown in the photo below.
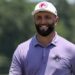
(46, 53)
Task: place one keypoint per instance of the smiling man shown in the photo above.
(46, 53)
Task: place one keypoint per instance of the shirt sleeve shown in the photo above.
(73, 62)
(16, 65)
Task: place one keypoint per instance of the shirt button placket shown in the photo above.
(44, 55)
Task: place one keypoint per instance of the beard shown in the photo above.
(45, 30)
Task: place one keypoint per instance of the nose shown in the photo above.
(43, 20)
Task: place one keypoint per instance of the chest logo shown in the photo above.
(57, 58)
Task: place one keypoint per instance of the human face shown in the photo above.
(45, 23)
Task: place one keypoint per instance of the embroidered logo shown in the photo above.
(57, 58)
(43, 5)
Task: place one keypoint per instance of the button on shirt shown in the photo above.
(31, 58)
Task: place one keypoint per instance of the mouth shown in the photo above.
(44, 28)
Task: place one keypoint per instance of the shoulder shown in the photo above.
(22, 48)
(67, 46)
(66, 43)
(25, 44)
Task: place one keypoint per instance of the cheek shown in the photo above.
(36, 21)
(53, 20)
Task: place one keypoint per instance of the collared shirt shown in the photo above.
(31, 58)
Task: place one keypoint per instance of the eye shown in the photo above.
(38, 17)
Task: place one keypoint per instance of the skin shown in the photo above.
(44, 18)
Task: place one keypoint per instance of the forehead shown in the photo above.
(40, 13)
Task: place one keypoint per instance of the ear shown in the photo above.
(57, 19)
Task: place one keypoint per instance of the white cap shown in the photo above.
(45, 6)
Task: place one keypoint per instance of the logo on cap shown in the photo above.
(43, 5)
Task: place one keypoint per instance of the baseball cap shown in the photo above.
(45, 6)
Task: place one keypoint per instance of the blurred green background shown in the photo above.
(16, 26)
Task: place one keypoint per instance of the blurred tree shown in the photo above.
(13, 20)
(14, 28)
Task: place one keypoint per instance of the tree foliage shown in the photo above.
(14, 27)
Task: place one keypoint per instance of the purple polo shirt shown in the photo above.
(31, 58)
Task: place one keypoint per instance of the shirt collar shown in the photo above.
(54, 41)
(35, 41)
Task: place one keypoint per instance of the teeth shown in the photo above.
(44, 28)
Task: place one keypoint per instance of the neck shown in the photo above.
(45, 40)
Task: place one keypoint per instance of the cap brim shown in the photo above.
(36, 11)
